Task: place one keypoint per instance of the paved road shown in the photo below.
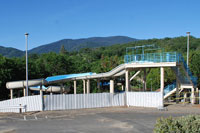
(106, 120)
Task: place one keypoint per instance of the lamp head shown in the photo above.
(188, 32)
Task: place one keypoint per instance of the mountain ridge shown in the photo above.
(69, 44)
(72, 44)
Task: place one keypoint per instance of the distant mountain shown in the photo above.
(11, 52)
(70, 45)
(77, 44)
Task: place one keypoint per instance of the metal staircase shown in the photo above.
(189, 76)
(185, 77)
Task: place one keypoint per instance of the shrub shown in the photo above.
(184, 124)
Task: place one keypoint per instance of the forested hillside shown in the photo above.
(77, 44)
(11, 52)
(69, 44)
(96, 60)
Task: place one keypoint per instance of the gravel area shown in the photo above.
(109, 120)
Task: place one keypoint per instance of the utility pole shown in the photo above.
(188, 47)
(26, 38)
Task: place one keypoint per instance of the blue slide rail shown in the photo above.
(68, 76)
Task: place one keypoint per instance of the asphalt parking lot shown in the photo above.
(106, 120)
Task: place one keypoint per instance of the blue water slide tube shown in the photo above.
(65, 77)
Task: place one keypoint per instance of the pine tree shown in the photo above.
(63, 50)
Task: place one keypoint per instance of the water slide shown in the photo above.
(36, 83)
(51, 88)
(22, 83)
(117, 71)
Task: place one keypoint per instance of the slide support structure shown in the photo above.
(83, 86)
(111, 86)
(24, 92)
(127, 81)
(192, 96)
(162, 83)
(98, 84)
(88, 86)
(11, 93)
(74, 86)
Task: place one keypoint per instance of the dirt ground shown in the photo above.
(116, 119)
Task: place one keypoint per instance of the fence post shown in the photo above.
(199, 96)
(20, 109)
(126, 99)
(51, 100)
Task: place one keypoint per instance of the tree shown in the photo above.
(6, 74)
(63, 50)
(195, 63)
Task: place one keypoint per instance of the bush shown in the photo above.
(184, 124)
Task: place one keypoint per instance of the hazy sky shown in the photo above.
(51, 20)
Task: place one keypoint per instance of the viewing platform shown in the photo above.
(153, 57)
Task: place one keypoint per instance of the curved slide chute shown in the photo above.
(51, 88)
(33, 84)
(63, 78)
(22, 83)
(117, 71)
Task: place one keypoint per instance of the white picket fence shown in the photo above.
(30, 103)
(145, 99)
(80, 101)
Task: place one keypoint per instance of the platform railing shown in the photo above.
(152, 57)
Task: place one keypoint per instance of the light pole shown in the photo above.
(188, 48)
(26, 38)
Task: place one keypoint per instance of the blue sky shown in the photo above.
(51, 20)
